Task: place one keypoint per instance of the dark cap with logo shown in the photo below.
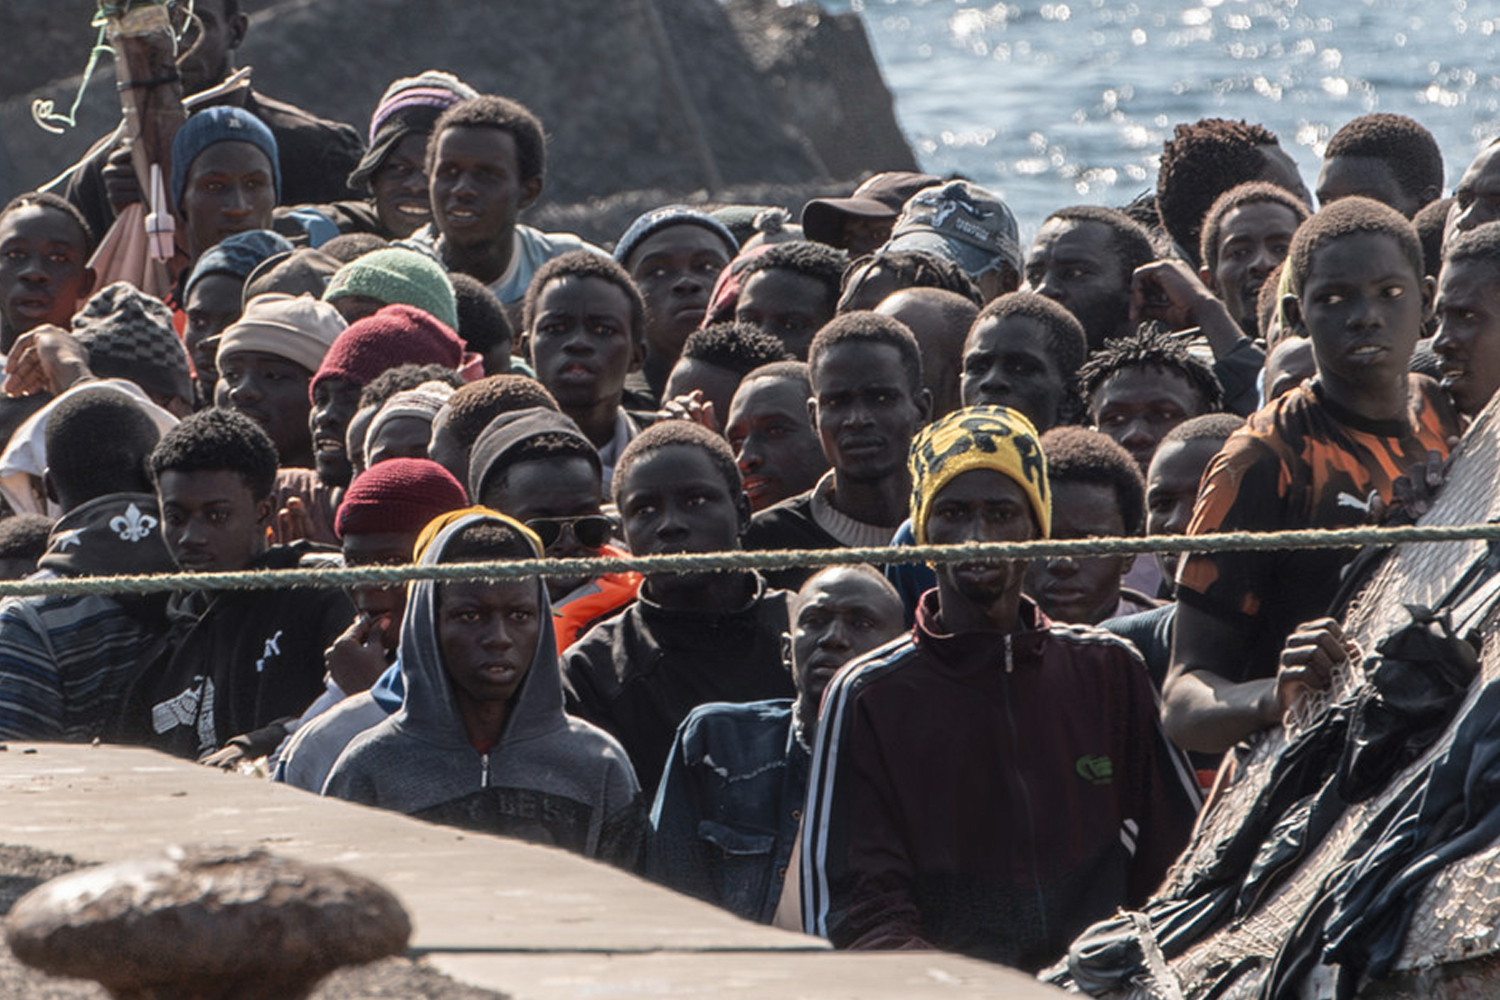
(961, 222)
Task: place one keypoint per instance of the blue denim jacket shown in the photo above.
(729, 805)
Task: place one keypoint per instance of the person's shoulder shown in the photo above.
(880, 663)
(556, 244)
(595, 743)
(719, 717)
(794, 514)
(283, 114)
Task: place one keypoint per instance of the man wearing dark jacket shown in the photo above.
(65, 659)
(993, 783)
(236, 663)
(317, 156)
(689, 638)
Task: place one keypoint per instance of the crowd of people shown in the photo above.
(367, 359)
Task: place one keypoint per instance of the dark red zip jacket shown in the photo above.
(990, 794)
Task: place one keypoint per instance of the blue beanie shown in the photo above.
(214, 125)
(672, 215)
(237, 255)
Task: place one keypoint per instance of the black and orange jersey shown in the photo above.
(1301, 462)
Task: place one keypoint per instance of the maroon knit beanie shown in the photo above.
(398, 495)
(396, 335)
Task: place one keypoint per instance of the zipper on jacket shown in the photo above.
(1015, 746)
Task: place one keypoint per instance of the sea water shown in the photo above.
(1068, 101)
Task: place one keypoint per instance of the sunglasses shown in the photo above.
(592, 531)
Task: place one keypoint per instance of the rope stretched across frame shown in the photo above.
(741, 560)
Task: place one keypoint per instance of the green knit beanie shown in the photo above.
(394, 276)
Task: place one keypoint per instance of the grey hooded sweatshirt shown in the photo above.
(551, 779)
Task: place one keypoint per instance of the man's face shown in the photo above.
(675, 268)
(1172, 489)
(865, 409)
(354, 438)
(980, 505)
(206, 47)
(212, 305)
(487, 634)
(44, 270)
(1476, 199)
(1253, 239)
(271, 391)
(398, 437)
(1138, 406)
(676, 499)
(1074, 589)
(229, 190)
(399, 188)
(476, 186)
(791, 307)
(1468, 337)
(837, 615)
(334, 403)
(1072, 262)
(1363, 305)
(1009, 361)
(210, 522)
(383, 606)
(1367, 176)
(558, 490)
(581, 344)
(774, 443)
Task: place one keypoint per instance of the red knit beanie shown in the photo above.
(396, 335)
(398, 495)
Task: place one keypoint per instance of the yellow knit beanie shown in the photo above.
(978, 437)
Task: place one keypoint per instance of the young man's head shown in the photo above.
(1246, 233)
(214, 476)
(209, 39)
(968, 225)
(488, 630)
(1468, 309)
(537, 466)
(265, 361)
(1139, 387)
(1431, 224)
(1476, 198)
(23, 540)
(872, 279)
(1024, 351)
(1083, 258)
(674, 255)
(394, 168)
(1203, 160)
(773, 438)
(715, 359)
(861, 222)
(378, 521)
(214, 297)
(402, 427)
(840, 613)
(483, 324)
(1175, 474)
(585, 331)
(45, 246)
(1357, 287)
(129, 335)
(940, 320)
(226, 176)
(470, 410)
(1097, 491)
(868, 399)
(790, 291)
(979, 475)
(1388, 158)
(486, 159)
(678, 490)
(394, 336)
(375, 395)
(97, 444)
(392, 276)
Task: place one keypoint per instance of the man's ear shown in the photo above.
(265, 510)
(1291, 310)
(1207, 277)
(637, 353)
(531, 190)
(1429, 296)
(786, 651)
(235, 31)
(923, 399)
